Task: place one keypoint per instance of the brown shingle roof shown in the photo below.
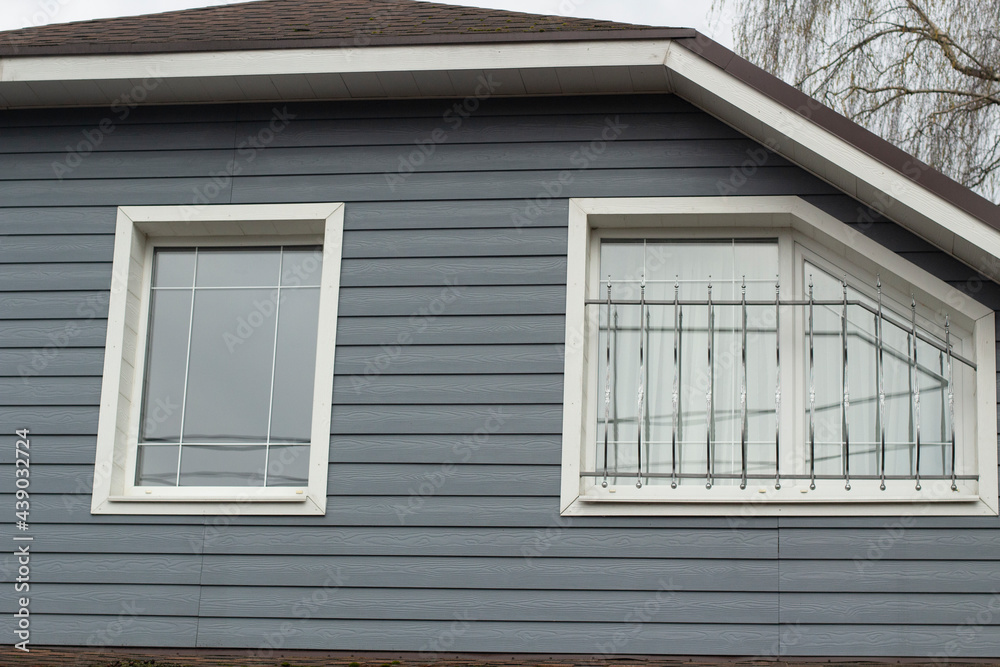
(272, 23)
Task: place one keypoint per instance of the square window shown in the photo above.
(727, 362)
(219, 369)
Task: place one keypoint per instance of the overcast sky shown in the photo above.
(677, 13)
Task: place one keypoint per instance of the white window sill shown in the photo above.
(230, 503)
(790, 500)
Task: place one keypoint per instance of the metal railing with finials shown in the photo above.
(611, 465)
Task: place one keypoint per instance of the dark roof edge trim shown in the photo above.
(869, 143)
(10, 48)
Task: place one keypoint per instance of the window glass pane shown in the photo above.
(257, 267)
(695, 264)
(301, 266)
(166, 357)
(223, 465)
(225, 347)
(156, 465)
(898, 384)
(288, 466)
(932, 380)
(173, 268)
(828, 375)
(295, 365)
(229, 381)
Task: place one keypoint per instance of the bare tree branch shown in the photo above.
(925, 74)
(948, 47)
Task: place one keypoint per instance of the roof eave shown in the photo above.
(679, 61)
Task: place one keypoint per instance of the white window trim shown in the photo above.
(139, 229)
(654, 214)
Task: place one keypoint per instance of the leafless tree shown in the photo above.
(924, 74)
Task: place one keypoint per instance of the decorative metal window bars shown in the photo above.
(880, 315)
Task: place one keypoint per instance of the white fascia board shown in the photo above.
(280, 62)
(827, 155)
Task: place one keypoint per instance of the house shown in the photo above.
(632, 348)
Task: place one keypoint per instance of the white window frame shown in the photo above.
(140, 230)
(592, 219)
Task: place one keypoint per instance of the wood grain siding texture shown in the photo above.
(433, 533)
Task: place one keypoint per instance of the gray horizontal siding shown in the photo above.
(43, 249)
(411, 541)
(437, 359)
(55, 139)
(864, 545)
(123, 628)
(891, 576)
(442, 517)
(310, 160)
(402, 448)
(449, 329)
(376, 389)
(67, 361)
(134, 568)
(48, 335)
(526, 128)
(96, 192)
(52, 420)
(502, 573)
(460, 634)
(445, 389)
(408, 508)
(887, 608)
(113, 599)
(369, 479)
(443, 419)
(114, 165)
(538, 185)
(46, 277)
(399, 272)
(940, 643)
(52, 220)
(505, 605)
(441, 215)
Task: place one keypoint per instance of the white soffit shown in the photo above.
(510, 69)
